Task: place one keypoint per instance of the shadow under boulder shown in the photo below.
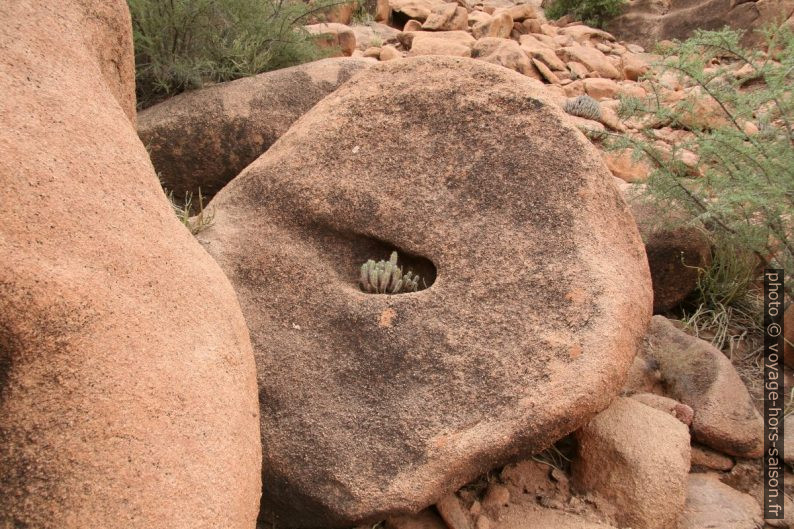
(203, 139)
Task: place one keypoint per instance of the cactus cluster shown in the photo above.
(584, 107)
(386, 277)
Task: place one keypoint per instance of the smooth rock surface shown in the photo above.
(635, 460)
(127, 381)
(712, 504)
(374, 405)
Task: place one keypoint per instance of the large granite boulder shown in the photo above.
(538, 287)
(204, 138)
(122, 405)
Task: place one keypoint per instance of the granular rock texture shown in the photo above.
(634, 460)
(122, 404)
(204, 138)
(539, 290)
(697, 374)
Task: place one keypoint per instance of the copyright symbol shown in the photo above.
(773, 330)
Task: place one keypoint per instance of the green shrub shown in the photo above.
(592, 12)
(181, 44)
(726, 306)
(744, 195)
(739, 120)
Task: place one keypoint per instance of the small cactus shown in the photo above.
(584, 107)
(386, 277)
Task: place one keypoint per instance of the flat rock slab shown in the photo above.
(539, 290)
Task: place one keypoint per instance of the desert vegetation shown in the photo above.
(587, 198)
(183, 44)
(592, 12)
(739, 191)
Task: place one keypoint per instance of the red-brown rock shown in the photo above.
(676, 254)
(699, 375)
(634, 460)
(204, 138)
(334, 36)
(379, 404)
(710, 503)
(127, 382)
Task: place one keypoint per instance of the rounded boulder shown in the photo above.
(538, 287)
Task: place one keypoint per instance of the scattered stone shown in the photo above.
(389, 52)
(745, 476)
(593, 59)
(500, 25)
(706, 458)
(703, 111)
(453, 43)
(634, 459)
(522, 12)
(286, 209)
(601, 89)
(680, 411)
(634, 66)
(333, 35)
(373, 53)
(505, 53)
(644, 377)
(496, 500)
(538, 50)
(532, 25)
(609, 117)
(411, 26)
(710, 503)
(699, 375)
(341, 13)
(447, 17)
(453, 513)
(586, 125)
(549, 30)
(581, 34)
(546, 72)
(415, 9)
(624, 166)
(374, 35)
(579, 70)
